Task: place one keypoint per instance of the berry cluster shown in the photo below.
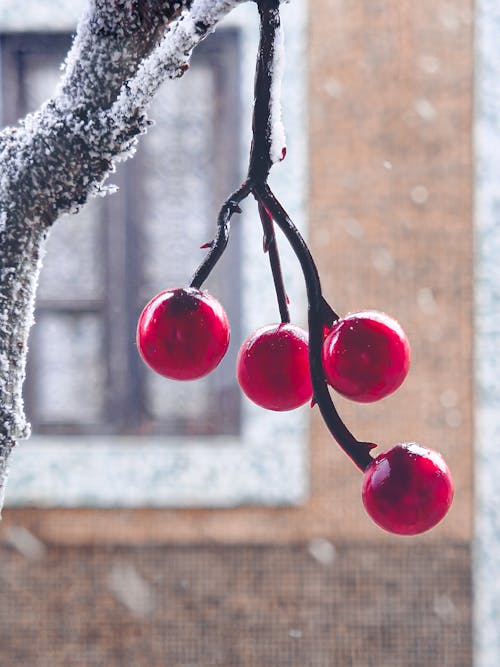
(183, 334)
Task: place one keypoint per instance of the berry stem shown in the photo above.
(260, 162)
(356, 450)
(271, 247)
(217, 247)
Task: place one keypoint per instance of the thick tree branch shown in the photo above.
(60, 156)
(112, 39)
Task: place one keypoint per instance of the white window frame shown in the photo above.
(268, 463)
(486, 555)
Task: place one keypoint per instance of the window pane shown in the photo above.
(73, 265)
(164, 398)
(69, 378)
(41, 75)
(177, 155)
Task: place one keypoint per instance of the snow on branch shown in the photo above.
(58, 157)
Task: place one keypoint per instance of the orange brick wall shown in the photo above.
(391, 220)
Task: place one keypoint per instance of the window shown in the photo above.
(84, 373)
(154, 456)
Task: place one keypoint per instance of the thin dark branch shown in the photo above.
(218, 245)
(271, 247)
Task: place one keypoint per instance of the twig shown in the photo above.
(271, 247)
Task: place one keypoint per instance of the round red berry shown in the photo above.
(408, 489)
(183, 333)
(273, 367)
(366, 356)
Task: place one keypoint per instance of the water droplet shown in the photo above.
(425, 109)
(23, 540)
(353, 228)
(294, 633)
(333, 88)
(454, 418)
(382, 260)
(322, 550)
(429, 64)
(444, 607)
(419, 195)
(449, 398)
(449, 17)
(131, 589)
(426, 301)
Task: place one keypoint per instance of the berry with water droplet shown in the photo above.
(408, 489)
(183, 333)
(366, 356)
(273, 367)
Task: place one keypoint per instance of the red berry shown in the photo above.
(273, 367)
(366, 356)
(183, 333)
(408, 489)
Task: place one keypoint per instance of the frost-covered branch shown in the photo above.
(58, 157)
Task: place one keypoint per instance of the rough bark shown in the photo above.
(61, 155)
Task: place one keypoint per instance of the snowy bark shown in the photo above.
(61, 155)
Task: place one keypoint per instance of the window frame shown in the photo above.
(486, 139)
(267, 463)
